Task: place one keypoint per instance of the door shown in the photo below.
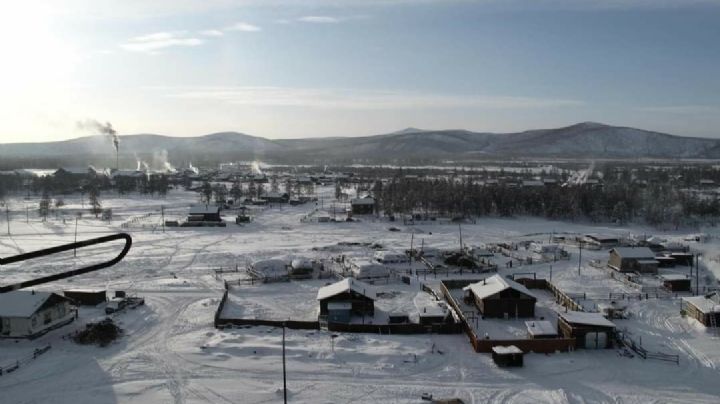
(595, 340)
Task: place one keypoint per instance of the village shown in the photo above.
(213, 280)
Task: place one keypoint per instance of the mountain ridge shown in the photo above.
(580, 140)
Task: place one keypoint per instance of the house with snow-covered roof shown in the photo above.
(501, 297)
(704, 308)
(633, 259)
(29, 314)
(349, 296)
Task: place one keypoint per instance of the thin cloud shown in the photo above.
(349, 99)
(152, 43)
(682, 109)
(319, 19)
(243, 26)
(212, 32)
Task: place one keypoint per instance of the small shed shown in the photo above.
(363, 206)
(507, 356)
(627, 259)
(542, 329)
(204, 213)
(602, 241)
(360, 295)
(366, 269)
(391, 257)
(676, 282)
(87, 297)
(590, 330)
(501, 297)
(29, 314)
(705, 309)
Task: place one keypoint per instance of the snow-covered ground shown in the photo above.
(172, 353)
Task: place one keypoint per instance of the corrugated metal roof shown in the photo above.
(345, 285)
(637, 252)
(495, 284)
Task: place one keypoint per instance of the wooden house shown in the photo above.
(500, 297)
(507, 356)
(359, 295)
(705, 309)
(29, 314)
(627, 259)
(590, 330)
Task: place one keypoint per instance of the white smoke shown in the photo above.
(580, 177)
(160, 161)
(193, 169)
(255, 167)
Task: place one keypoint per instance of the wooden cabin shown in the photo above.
(627, 259)
(359, 295)
(705, 309)
(500, 297)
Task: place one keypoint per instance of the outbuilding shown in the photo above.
(359, 295)
(676, 282)
(391, 257)
(87, 297)
(29, 314)
(204, 213)
(507, 356)
(627, 259)
(541, 329)
(590, 330)
(501, 297)
(363, 206)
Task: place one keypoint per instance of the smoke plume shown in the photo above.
(106, 129)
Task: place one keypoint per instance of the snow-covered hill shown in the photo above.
(583, 140)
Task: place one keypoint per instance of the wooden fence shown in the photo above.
(5, 369)
(408, 328)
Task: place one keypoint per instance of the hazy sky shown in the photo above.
(297, 68)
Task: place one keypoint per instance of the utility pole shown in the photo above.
(580, 244)
(27, 214)
(75, 249)
(284, 376)
(461, 243)
(697, 274)
(162, 213)
(7, 216)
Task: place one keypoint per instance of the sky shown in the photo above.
(309, 68)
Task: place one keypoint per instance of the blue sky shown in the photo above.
(283, 69)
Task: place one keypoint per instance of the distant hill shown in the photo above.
(583, 140)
